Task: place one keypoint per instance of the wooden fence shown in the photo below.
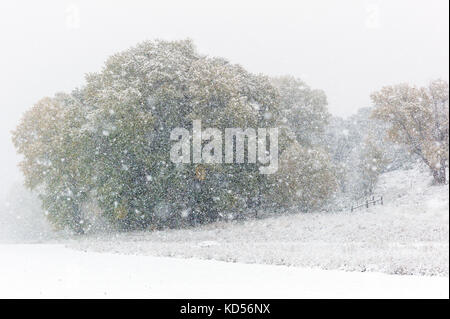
(367, 203)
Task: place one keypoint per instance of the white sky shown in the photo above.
(348, 48)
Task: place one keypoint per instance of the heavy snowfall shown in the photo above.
(170, 172)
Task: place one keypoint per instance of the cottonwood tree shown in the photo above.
(419, 118)
(303, 109)
(305, 178)
(360, 152)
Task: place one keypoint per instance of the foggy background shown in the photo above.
(347, 48)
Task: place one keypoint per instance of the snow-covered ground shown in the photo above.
(409, 235)
(53, 271)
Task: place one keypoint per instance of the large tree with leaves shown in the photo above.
(54, 154)
(140, 96)
(109, 142)
(419, 118)
(303, 110)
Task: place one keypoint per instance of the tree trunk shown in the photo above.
(76, 223)
(439, 175)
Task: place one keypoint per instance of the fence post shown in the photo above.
(351, 210)
(381, 200)
(367, 203)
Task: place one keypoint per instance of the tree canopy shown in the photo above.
(419, 118)
(105, 148)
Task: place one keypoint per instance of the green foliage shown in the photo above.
(303, 109)
(372, 163)
(419, 119)
(49, 138)
(109, 142)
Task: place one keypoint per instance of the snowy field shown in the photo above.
(409, 235)
(53, 271)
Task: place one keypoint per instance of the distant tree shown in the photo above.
(22, 217)
(419, 118)
(138, 98)
(355, 144)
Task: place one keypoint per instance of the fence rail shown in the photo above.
(367, 203)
